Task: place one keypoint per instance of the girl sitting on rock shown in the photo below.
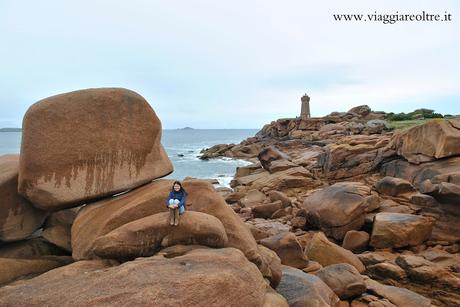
(176, 203)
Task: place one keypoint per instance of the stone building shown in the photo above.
(305, 110)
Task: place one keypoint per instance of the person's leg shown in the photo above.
(171, 216)
(176, 216)
(181, 210)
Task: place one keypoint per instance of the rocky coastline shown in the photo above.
(334, 211)
(346, 188)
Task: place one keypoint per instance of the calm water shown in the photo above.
(186, 142)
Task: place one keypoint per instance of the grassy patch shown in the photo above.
(407, 123)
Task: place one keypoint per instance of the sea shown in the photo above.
(183, 147)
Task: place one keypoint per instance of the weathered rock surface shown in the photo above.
(18, 218)
(306, 290)
(57, 228)
(287, 248)
(338, 208)
(343, 279)
(393, 186)
(13, 269)
(201, 277)
(265, 211)
(433, 140)
(295, 177)
(252, 199)
(144, 237)
(98, 219)
(269, 155)
(277, 195)
(63, 161)
(31, 248)
(352, 156)
(397, 296)
(356, 241)
(325, 252)
(400, 230)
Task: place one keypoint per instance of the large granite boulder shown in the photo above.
(394, 230)
(323, 251)
(265, 211)
(443, 187)
(287, 248)
(343, 279)
(271, 154)
(433, 140)
(353, 155)
(144, 237)
(200, 277)
(88, 144)
(356, 241)
(393, 186)
(305, 290)
(338, 208)
(18, 218)
(100, 218)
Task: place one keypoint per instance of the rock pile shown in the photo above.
(382, 202)
(86, 147)
(334, 211)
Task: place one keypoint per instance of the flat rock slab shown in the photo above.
(88, 144)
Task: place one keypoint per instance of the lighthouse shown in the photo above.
(305, 109)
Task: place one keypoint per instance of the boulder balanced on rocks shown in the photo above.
(18, 218)
(338, 208)
(88, 144)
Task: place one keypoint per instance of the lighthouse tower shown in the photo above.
(305, 110)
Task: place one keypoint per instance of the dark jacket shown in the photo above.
(181, 196)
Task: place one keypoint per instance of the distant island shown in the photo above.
(10, 129)
(185, 128)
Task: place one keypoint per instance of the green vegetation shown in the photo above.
(401, 124)
(415, 115)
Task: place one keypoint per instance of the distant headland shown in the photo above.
(186, 128)
(10, 129)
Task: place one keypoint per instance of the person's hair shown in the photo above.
(181, 187)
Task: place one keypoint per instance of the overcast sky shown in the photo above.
(230, 64)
